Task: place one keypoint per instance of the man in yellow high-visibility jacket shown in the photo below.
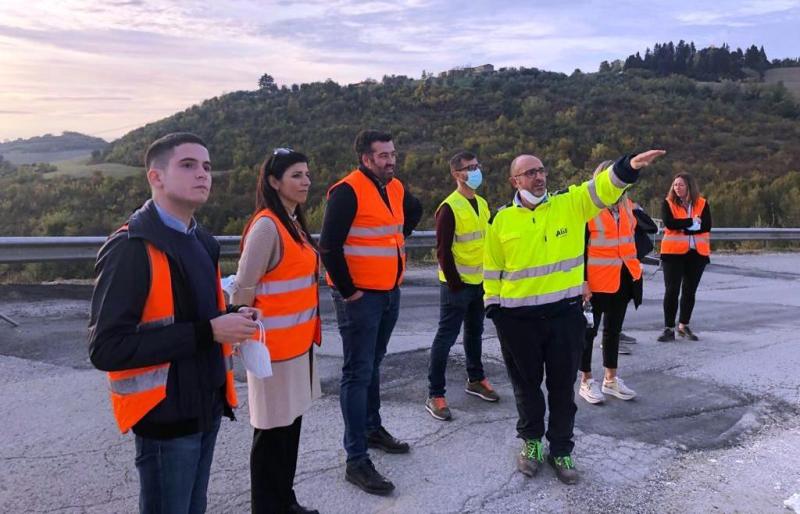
(461, 222)
(533, 278)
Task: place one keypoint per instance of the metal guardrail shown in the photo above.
(49, 249)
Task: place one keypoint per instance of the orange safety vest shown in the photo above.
(375, 243)
(288, 297)
(136, 391)
(611, 244)
(675, 241)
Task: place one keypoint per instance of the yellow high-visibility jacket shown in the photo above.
(535, 256)
(469, 235)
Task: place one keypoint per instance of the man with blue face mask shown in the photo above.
(461, 222)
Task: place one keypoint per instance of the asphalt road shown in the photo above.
(714, 427)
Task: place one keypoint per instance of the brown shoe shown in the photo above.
(437, 407)
(482, 389)
(531, 457)
(565, 469)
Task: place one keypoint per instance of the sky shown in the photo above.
(106, 67)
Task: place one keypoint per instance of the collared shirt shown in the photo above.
(174, 223)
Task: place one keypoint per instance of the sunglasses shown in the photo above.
(282, 151)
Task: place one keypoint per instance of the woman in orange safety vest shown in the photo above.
(685, 251)
(613, 278)
(278, 273)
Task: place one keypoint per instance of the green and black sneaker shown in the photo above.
(531, 456)
(565, 469)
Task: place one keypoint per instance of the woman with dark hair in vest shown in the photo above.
(277, 273)
(613, 279)
(685, 251)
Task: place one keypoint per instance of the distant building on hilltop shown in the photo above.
(467, 71)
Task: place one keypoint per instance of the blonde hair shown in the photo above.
(691, 185)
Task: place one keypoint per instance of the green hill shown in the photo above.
(738, 138)
(49, 148)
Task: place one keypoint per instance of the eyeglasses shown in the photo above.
(282, 151)
(471, 167)
(533, 172)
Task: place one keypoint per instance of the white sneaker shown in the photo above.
(618, 388)
(590, 391)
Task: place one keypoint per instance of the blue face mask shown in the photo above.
(474, 179)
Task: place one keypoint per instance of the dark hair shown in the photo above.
(691, 185)
(365, 138)
(457, 159)
(160, 150)
(267, 197)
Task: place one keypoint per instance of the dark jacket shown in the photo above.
(123, 277)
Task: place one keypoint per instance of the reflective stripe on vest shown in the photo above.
(540, 271)
(135, 392)
(676, 241)
(540, 299)
(374, 246)
(141, 382)
(468, 237)
(288, 296)
(611, 245)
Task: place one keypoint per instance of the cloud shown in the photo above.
(746, 14)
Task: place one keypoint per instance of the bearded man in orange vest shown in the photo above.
(159, 328)
(362, 244)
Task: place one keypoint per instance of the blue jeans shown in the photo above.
(173, 473)
(464, 306)
(365, 326)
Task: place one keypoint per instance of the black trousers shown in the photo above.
(611, 307)
(535, 346)
(682, 275)
(273, 461)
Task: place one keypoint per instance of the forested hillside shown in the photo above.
(739, 138)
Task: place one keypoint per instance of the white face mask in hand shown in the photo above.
(255, 354)
(532, 198)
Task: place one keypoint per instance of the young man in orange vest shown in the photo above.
(368, 215)
(159, 328)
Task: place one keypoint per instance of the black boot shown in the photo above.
(296, 508)
(363, 474)
(383, 440)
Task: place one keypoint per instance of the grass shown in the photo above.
(79, 167)
(789, 76)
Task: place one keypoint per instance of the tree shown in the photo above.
(267, 84)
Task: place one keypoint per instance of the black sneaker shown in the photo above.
(383, 440)
(667, 335)
(363, 474)
(565, 469)
(686, 332)
(624, 338)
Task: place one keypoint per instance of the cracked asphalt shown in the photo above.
(715, 426)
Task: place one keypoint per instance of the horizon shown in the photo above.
(103, 70)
